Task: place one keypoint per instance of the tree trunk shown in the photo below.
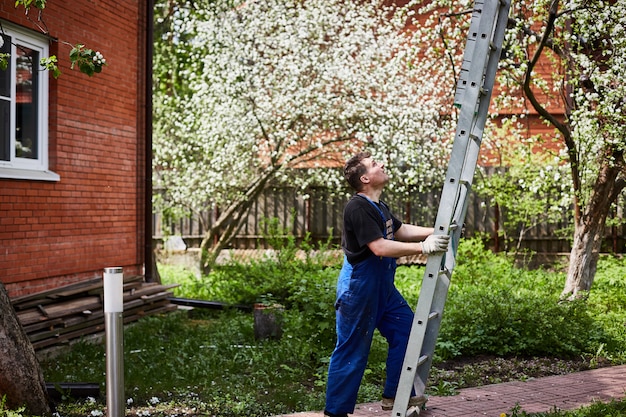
(21, 379)
(222, 233)
(583, 260)
(589, 229)
(225, 228)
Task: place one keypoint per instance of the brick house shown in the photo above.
(73, 150)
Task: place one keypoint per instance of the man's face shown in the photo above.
(375, 174)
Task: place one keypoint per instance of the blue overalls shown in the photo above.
(367, 299)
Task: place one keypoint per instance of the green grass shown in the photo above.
(598, 409)
(209, 363)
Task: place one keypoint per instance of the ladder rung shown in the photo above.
(412, 412)
(422, 359)
(464, 181)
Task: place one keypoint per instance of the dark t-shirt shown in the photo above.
(363, 223)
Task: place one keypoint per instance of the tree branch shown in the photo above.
(563, 128)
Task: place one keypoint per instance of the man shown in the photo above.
(367, 298)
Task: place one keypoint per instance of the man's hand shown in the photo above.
(435, 243)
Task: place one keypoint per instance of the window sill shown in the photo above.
(28, 174)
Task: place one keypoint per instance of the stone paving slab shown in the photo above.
(562, 392)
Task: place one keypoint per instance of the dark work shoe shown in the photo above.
(329, 414)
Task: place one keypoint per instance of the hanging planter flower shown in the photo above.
(89, 61)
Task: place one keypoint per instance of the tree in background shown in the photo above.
(583, 43)
(258, 93)
(527, 188)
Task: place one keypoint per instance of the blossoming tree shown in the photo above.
(266, 92)
(585, 44)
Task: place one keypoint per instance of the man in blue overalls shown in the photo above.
(367, 298)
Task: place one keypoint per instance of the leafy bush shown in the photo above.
(608, 300)
(495, 308)
(4, 412)
(499, 321)
(297, 276)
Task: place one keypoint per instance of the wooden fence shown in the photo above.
(320, 215)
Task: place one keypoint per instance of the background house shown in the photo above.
(73, 150)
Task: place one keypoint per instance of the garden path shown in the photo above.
(563, 392)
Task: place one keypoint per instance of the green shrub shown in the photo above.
(608, 300)
(496, 308)
(4, 412)
(275, 278)
(498, 321)
(493, 307)
(298, 276)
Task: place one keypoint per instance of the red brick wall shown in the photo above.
(54, 233)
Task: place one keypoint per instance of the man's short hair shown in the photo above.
(354, 169)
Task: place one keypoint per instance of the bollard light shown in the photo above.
(114, 332)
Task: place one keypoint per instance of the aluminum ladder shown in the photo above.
(473, 94)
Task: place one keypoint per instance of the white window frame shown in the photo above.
(27, 168)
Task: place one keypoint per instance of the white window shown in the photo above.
(24, 106)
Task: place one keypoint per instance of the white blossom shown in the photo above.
(278, 77)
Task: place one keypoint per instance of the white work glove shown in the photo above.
(435, 243)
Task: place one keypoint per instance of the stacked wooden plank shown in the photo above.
(59, 315)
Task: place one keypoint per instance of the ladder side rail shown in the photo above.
(448, 202)
(455, 232)
(441, 291)
(490, 71)
(473, 89)
(441, 285)
(444, 216)
(455, 236)
(431, 302)
(432, 331)
(474, 85)
(472, 154)
(462, 145)
(482, 23)
(418, 329)
(468, 52)
(465, 151)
